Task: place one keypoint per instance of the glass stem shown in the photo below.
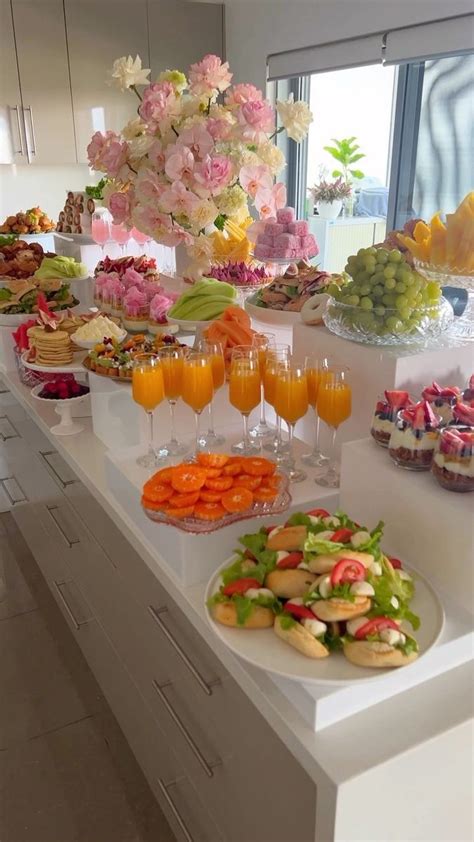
(333, 463)
(211, 419)
(151, 448)
(172, 404)
(291, 461)
(246, 431)
(196, 416)
(262, 408)
(316, 451)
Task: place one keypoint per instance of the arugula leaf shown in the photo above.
(401, 587)
(332, 641)
(5, 294)
(257, 544)
(409, 646)
(342, 591)
(301, 519)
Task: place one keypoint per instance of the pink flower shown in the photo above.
(156, 156)
(148, 186)
(239, 94)
(159, 306)
(107, 153)
(279, 194)
(159, 101)
(268, 201)
(179, 163)
(208, 76)
(177, 199)
(213, 173)
(197, 139)
(218, 129)
(256, 119)
(252, 178)
(119, 207)
(94, 149)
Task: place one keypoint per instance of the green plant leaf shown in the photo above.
(356, 173)
(335, 153)
(219, 221)
(357, 157)
(337, 174)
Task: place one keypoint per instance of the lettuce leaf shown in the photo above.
(385, 587)
(287, 621)
(403, 589)
(314, 546)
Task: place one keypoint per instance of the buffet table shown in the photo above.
(209, 730)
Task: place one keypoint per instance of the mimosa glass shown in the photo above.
(148, 390)
(316, 370)
(334, 406)
(291, 404)
(262, 341)
(140, 239)
(197, 386)
(100, 229)
(244, 391)
(120, 235)
(214, 349)
(276, 355)
(172, 363)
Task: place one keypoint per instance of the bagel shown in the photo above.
(290, 538)
(313, 309)
(325, 563)
(289, 583)
(335, 610)
(226, 614)
(301, 639)
(376, 654)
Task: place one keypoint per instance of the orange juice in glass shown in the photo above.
(172, 363)
(277, 355)
(317, 369)
(244, 390)
(148, 391)
(291, 404)
(216, 356)
(198, 385)
(334, 407)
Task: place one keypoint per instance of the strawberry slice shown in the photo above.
(381, 407)
(450, 392)
(418, 420)
(430, 417)
(397, 399)
(464, 414)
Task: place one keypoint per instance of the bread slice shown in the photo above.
(301, 639)
(226, 614)
(376, 654)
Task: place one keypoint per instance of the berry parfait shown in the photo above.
(442, 399)
(414, 437)
(385, 415)
(453, 461)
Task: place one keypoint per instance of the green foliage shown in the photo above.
(219, 221)
(345, 152)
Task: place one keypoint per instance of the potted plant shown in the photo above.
(329, 196)
(346, 153)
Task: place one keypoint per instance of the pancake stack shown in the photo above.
(51, 347)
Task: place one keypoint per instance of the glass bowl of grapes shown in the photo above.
(387, 302)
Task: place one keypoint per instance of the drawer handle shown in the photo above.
(64, 482)
(67, 607)
(205, 686)
(6, 435)
(20, 136)
(208, 767)
(55, 517)
(179, 819)
(14, 484)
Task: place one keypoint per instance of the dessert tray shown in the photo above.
(263, 649)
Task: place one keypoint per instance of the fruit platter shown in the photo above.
(387, 302)
(284, 300)
(111, 358)
(329, 605)
(197, 307)
(215, 491)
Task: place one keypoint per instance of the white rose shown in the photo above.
(127, 72)
(134, 128)
(201, 216)
(295, 117)
(139, 146)
(272, 156)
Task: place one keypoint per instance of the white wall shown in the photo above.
(256, 28)
(23, 187)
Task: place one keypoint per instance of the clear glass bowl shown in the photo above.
(444, 275)
(453, 459)
(359, 325)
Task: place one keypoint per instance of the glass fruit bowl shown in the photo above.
(444, 275)
(386, 326)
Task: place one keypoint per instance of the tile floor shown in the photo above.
(66, 771)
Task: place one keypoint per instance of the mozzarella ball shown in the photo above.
(303, 566)
(275, 531)
(394, 602)
(315, 627)
(281, 554)
(354, 625)
(331, 521)
(392, 637)
(325, 587)
(254, 593)
(358, 539)
(376, 568)
(362, 589)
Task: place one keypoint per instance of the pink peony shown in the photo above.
(159, 101)
(119, 206)
(208, 76)
(156, 156)
(197, 139)
(148, 186)
(219, 129)
(256, 118)
(152, 288)
(213, 173)
(179, 163)
(159, 306)
(252, 178)
(239, 94)
(107, 153)
(94, 149)
(177, 199)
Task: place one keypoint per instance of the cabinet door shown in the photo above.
(97, 34)
(40, 36)
(182, 33)
(12, 141)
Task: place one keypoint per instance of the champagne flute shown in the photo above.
(120, 235)
(262, 341)
(140, 239)
(291, 404)
(334, 406)
(276, 355)
(316, 370)
(197, 386)
(172, 363)
(216, 353)
(148, 390)
(100, 229)
(244, 391)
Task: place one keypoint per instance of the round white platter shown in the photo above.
(271, 317)
(75, 367)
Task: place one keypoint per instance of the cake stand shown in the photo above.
(63, 408)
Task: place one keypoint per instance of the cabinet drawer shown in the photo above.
(188, 818)
(18, 461)
(48, 554)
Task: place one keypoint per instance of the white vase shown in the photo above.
(329, 210)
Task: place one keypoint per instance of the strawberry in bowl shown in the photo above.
(453, 461)
(442, 399)
(385, 415)
(414, 437)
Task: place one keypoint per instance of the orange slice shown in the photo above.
(237, 500)
(258, 466)
(213, 473)
(157, 493)
(154, 507)
(246, 481)
(232, 468)
(187, 478)
(180, 512)
(219, 483)
(273, 481)
(265, 494)
(180, 500)
(212, 460)
(209, 511)
(210, 496)
(162, 477)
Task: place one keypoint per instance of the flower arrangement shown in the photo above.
(198, 151)
(330, 191)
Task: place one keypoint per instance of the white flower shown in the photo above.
(139, 146)
(295, 117)
(201, 216)
(272, 156)
(202, 249)
(127, 72)
(233, 202)
(134, 128)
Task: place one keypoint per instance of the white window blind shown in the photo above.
(450, 37)
(332, 56)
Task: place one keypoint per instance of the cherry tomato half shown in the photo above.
(374, 626)
(318, 513)
(347, 570)
(240, 586)
(342, 536)
(395, 562)
(291, 561)
(300, 611)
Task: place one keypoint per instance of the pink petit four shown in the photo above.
(286, 215)
(287, 241)
(274, 228)
(308, 245)
(262, 251)
(283, 254)
(300, 228)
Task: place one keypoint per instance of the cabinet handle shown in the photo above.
(14, 484)
(55, 517)
(207, 767)
(19, 151)
(179, 819)
(77, 625)
(64, 482)
(205, 686)
(32, 124)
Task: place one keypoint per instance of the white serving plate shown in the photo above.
(89, 344)
(16, 319)
(75, 367)
(190, 325)
(263, 649)
(271, 317)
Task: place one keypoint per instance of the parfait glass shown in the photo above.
(291, 404)
(316, 371)
(120, 235)
(262, 341)
(277, 355)
(334, 406)
(100, 229)
(198, 385)
(148, 391)
(216, 354)
(244, 391)
(172, 363)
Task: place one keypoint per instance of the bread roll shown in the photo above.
(301, 639)
(325, 563)
(290, 538)
(289, 583)
(335, 610)
(364, 653)
(226, 614)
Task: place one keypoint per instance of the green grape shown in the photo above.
(361, 277)
(378, 278)
(382, 256)
(369, 263)
(390, 283)
(353, 300)
(418, 299)
(359, 262)
(394, 324)
(366, 303)
(409, 280)
(379, 310)
(379, 267)
(399, 273)
(334, 290)
(348, 268)
(361, 252)
(433, 289)
(378, 291)
(400, 287)
(405, 313)
(365, 289)
(389, 272)
(405, 276)
(401, 302)
(411, 294)
(395, 256)
(372, 250)
(388, 300)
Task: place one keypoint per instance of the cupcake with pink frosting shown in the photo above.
(116, 290)
(159, 306)
(132, 278)
(99, 283)
(135, 310)
(152, 288)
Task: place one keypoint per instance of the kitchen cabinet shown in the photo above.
(12, 141)
(183, 32)
(97, 34)
(40, 38)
